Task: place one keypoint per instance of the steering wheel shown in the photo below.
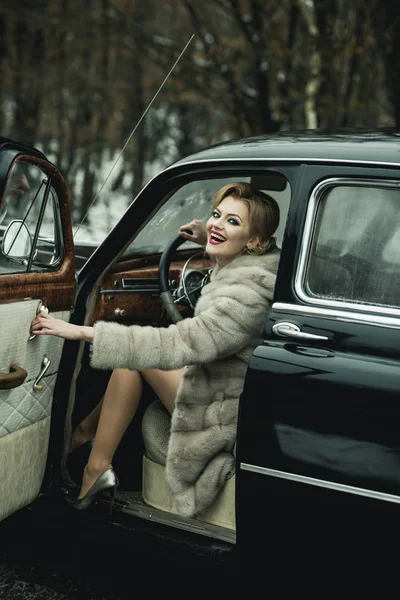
(163, 277)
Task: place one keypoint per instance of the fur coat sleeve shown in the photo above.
(227, 317)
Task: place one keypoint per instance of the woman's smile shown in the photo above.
(216, 238)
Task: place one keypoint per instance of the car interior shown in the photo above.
(130, 293)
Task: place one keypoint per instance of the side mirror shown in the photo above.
(17, 241)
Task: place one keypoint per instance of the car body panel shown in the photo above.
(324, 434)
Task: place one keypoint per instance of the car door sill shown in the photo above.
(136, 506)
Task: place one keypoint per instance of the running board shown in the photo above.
(135, 506)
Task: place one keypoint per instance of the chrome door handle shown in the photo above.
(40, 308)
(45, 365)
(286, 329)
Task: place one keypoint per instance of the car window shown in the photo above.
(354, 253)
(194, 201)
(29, 221)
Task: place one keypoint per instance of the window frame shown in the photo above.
(310, 225)
(51, 196)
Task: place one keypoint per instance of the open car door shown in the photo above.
(36, 273)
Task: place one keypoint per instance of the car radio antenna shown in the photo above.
(133, 131)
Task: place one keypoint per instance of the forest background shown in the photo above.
(77, 77)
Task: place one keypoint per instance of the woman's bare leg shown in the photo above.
(86, 430)
(165, 384)
(120, 403)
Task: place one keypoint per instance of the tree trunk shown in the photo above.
(62, 132)
(314, 77)
(266, 124)
(3, 57)
(391, 35)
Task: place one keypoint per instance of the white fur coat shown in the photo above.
(215, 346)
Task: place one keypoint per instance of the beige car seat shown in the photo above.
(155, 430)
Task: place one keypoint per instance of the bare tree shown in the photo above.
(314, 60)
(388, 26)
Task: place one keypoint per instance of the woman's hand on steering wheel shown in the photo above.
(195, 231)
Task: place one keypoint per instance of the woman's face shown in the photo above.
(228, 231)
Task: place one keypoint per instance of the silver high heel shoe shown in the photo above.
(106, 482)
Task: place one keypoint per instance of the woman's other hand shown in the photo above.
(195, 231)
(45, 324)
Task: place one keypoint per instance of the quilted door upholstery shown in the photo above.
(25, 412)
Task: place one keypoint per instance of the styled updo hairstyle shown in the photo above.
(263, 213)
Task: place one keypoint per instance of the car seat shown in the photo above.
(155, 430)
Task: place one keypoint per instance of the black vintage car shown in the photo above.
(318, 447)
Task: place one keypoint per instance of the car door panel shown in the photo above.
(56, 290)
(25, 411)
(45, 279)
(324, 435)
(319, 416)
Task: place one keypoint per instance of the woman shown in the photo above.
(197, 366)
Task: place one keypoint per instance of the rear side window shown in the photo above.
(354, 244)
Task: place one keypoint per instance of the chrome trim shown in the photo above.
(330, 485)
(307, 238)
(133, 290)
(290, 330)
(37, 387)
(284, 159)
(338, 315)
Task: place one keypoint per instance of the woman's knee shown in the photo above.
(125, 374)
(165, 384)
(125, 379)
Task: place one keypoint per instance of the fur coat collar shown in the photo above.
(214, 346)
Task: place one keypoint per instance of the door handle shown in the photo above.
(41, 308)
(44, 367)
(290, 330)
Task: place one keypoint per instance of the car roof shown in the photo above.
(377, 146)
